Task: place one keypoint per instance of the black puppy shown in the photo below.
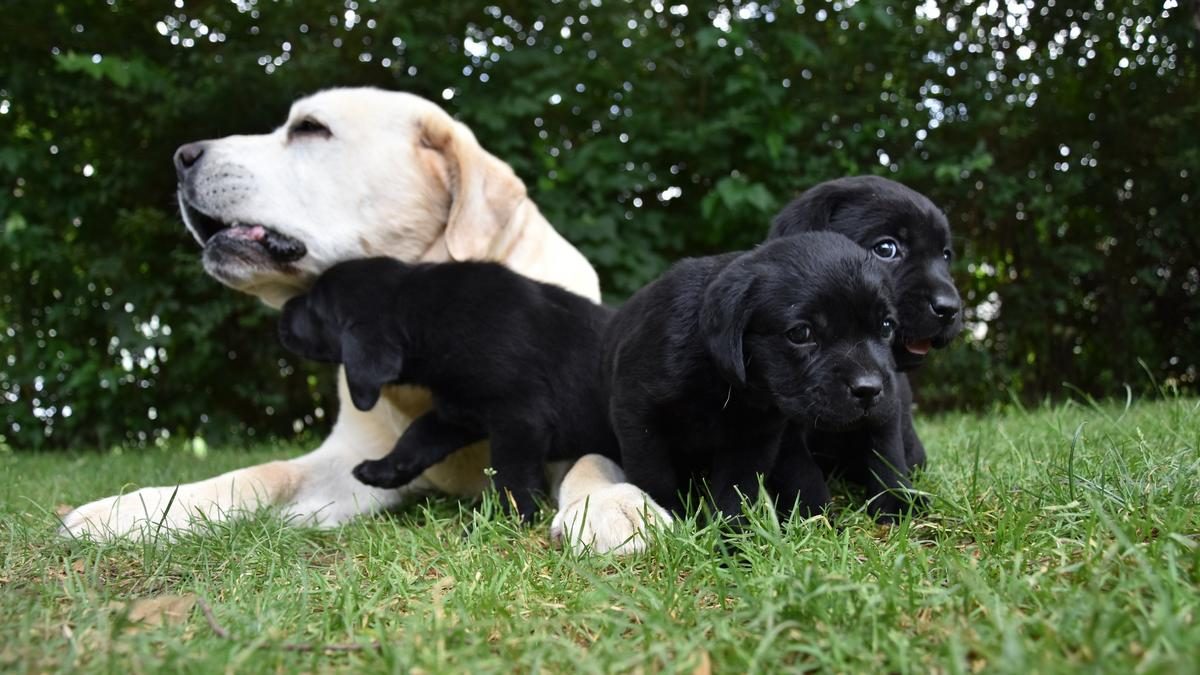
(708, 364)
(505, 357)
(906, 231)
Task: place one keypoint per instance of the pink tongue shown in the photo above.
(920, 347)
(255, 233)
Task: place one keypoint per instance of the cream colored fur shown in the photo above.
(398, 177)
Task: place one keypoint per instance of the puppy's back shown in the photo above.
(660, 321)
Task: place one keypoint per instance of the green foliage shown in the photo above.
(1060, 140)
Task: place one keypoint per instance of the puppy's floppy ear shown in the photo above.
(724, 317)
(370, 362)
(814, 209)
(486, 197)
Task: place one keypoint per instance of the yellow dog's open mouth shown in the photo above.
(211, 232)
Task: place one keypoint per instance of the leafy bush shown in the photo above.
(1060, 139)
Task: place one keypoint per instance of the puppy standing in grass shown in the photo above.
(506, 358)
(708, 364)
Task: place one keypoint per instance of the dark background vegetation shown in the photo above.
(1061, 138)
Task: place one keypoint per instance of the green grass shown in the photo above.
(1040, 554)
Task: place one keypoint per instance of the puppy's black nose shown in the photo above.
(945, 306)
(866, 389)
(187, 156)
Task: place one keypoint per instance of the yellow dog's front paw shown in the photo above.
(615, 519)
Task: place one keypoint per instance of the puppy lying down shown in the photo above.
(911, 238)
(505, 357)
(708, 364)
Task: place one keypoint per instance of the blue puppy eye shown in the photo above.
(800, 335)
(888, 329)
(886, 249)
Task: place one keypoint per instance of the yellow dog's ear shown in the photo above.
(485, 194)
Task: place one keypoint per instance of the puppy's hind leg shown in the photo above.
(429, 440)
(519, 454)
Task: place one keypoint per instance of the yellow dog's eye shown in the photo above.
(309, 127)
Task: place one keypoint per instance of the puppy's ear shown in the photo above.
(724, 317)
(813, 210)
(370, 362)
(486, 197)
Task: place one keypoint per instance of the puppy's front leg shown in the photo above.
(914, 450)
(429, 440)
(646, 458)
(736, 475)
(887, 473)
(796, 482)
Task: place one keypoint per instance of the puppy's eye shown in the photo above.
(800, 335)
(886, 249)
(947, 254)
(887, 330)
(309, 127)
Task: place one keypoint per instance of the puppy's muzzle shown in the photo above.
(945, 307)
(866, 389)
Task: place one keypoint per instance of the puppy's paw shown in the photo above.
(381, 473)
(615, 519)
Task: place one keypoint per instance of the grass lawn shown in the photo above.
(1034, 558)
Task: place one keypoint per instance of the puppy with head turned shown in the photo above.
(506, 358)
(709, 364)
(910, 237)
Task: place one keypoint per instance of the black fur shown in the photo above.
(707, 364)
(874, 211)
(505, 357)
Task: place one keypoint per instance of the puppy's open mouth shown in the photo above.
(910, 352)
(919, 347)
(212, 232)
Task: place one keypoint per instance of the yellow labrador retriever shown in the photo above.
(355, 173)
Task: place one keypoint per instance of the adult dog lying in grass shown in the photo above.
(709, 364)
(352, 173)
(911, 236)
(506, 358)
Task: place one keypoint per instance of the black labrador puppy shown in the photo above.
(910, 235)
(709, 363)
(505, 357)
